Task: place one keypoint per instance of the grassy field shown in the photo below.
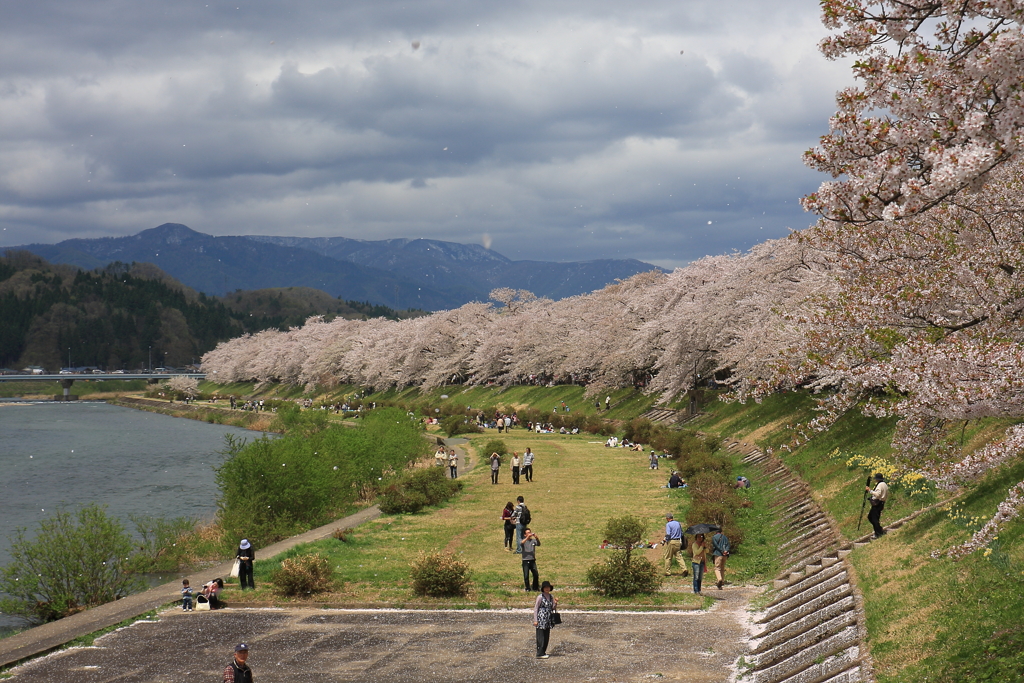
(578, 484)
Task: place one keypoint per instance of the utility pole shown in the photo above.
(151, 358)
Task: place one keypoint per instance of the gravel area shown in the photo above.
(395, 646)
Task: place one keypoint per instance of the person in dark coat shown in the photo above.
(238, 671)
(246, 554)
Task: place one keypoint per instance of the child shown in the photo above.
(186, 596)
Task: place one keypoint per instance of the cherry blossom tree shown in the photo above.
(938, 106)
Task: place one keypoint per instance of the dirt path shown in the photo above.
(393, 646)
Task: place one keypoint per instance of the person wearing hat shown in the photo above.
(238, 671)
(879, 495)
(543, 608)
(245, 556)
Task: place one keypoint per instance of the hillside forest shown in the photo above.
(126, 316)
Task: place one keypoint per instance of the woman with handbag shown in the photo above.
(545, 615)
(244, 558)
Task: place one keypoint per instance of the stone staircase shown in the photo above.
(670, 417)
(813, 629)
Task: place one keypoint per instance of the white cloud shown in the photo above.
(563, 130)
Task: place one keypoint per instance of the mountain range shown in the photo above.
(401, 273)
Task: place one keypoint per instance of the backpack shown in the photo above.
(525, 518)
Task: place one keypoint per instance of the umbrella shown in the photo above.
(702, 529)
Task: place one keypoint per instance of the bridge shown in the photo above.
(66, 380)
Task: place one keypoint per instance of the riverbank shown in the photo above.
(203, 412)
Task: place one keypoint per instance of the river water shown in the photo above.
(134, 462)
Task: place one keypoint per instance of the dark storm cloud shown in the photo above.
(562, 130)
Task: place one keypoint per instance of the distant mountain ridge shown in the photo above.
(402, 273)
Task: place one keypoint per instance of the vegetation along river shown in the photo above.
(134, 462)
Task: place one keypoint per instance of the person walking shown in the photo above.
(528, 465)
(879, 495)
(673, 542)
(607, 402)
(495, 466)
(510, 526)
(528, 548)
(654, 461)
(720, 553)
(515, 467)
(453, 464)
(521, 518)
(245, 555)
(542, 610)
(698, 556)
(238, 671)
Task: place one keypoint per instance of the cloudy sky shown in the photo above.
(571, 130)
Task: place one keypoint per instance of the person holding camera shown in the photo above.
(879, 495)
(528, 547)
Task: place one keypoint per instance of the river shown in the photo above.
(134, 462)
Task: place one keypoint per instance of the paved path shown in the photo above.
(399, 646)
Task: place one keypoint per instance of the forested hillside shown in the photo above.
(127, 316)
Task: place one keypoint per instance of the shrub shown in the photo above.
(76, 560)
(639, 430)
(272, 488)
(694, 464)
(494, 446)
(440, 575)
(303, 575)
(619, 578)
(458, 424)
(159, 536)
(419, 488)
(623, 575)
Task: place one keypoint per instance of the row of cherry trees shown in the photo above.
(663, 331)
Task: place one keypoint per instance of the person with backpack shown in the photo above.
(521, 517)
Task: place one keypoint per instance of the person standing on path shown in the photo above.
(515, 467)
(607, 402)
(528, 547)
(698, 557)
(521, 518)
(245, 555)
(542, 610)
(510, 526)
(495, 466)
(453, 464)
(673, 542)
(878, 497)
(528, 465)
(238, 671)
(720, 551)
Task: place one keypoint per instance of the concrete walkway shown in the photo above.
(56, 633)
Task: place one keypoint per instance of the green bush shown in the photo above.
(76, 560)
(713, 500)
(694, 464)
(494, 446)
(623, 575)
(156, 552)
(459, 424)
(417, 489)
(619, 578)
(440, 575)
(303, 575)
(273, 488)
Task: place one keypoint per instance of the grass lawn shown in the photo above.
(578, 485)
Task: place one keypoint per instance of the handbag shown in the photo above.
(202, 603)
(556, 618)
(236, 568)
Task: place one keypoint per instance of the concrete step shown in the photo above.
(814, 633)
(821, 660)
(766, 640)
(810, 594)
